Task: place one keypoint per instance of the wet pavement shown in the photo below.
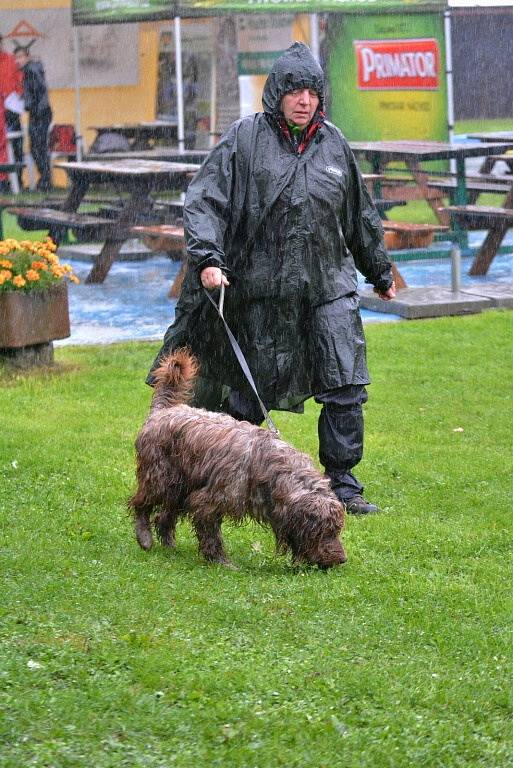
(133, 302)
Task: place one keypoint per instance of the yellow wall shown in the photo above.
(104, 106)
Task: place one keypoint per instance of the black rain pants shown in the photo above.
(39, 127)
(340, 429)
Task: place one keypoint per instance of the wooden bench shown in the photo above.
(171, 239)
(475, 186)
(401, 235)
(59, 222)
(383, 206)
(172, 208)
(490, 161)
(496, 220)
(407, 189)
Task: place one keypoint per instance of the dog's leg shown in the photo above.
(210, 540)
(165, 525)
(207, 525)
(143, 527)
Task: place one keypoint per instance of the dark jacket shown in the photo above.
(35, 91)
(287, 229)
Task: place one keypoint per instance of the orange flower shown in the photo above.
(4, 276)
(74, 279)
(32, 275)
(19, 282)
(40, 265)
(6, 263)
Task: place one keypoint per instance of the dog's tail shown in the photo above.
(174, 378)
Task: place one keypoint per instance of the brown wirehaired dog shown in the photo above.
(208, 466)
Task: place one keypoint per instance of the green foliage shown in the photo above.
(484, 126)
(403, 657)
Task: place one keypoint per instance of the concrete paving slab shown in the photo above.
(499, 294)
(131, 250)
(431, 301)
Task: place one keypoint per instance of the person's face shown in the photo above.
(299, 106)
(20, 58)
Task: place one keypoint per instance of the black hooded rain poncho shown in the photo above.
(288, 230)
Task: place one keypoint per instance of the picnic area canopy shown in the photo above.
(116, 11)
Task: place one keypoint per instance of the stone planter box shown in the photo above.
(29, 322)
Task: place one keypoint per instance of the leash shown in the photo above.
(241, 359)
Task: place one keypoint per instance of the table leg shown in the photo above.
(492, 241)
(136, 205)
(489, 248)
(433, 199)
(487, 164)
(71, 202)
(104, 260)
(399, 280)
(460, 198)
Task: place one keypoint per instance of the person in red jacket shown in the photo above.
(10, 82)
(14, 81)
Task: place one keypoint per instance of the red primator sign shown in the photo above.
(398, 64)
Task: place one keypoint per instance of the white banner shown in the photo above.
(109, 54)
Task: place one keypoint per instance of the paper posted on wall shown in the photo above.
(14, 103)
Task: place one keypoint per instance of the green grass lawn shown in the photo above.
(403, 657)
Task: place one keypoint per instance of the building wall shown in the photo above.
(100, 105)
(482, 42)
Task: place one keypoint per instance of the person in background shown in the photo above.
(11, 80)
(37, 104)
(280, 215)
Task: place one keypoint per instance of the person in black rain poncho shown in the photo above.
(37, 104)
(278, 212)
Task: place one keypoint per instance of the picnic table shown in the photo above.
(168, 154)
(495, 137)
(141, 135)
(136, 178)
(496, 220)
(415, 153)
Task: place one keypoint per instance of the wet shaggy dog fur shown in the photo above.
(207, 466)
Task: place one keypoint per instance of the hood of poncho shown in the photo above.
(295, 69)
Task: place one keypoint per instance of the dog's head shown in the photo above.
(314, 537)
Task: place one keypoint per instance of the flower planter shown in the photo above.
(30, 321)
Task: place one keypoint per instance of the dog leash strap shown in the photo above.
(241, 359)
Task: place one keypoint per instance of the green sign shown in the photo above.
(115, 11)
(387, 76)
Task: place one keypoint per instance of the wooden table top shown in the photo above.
(169, 154)
(494, 136)
(128, 167)
(427, 150)
(144, 125)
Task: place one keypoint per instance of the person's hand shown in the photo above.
(212, 277)
(388, 294)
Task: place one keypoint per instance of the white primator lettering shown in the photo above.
(404, 64)
(368, 63)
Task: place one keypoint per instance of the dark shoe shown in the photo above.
(358, 506)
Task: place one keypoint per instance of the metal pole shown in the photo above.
(314, 36)
(213, 90)
(449, 81)
(455, 269)
(179, 84)
(78, 111)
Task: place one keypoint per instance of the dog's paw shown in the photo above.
(143, 536)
